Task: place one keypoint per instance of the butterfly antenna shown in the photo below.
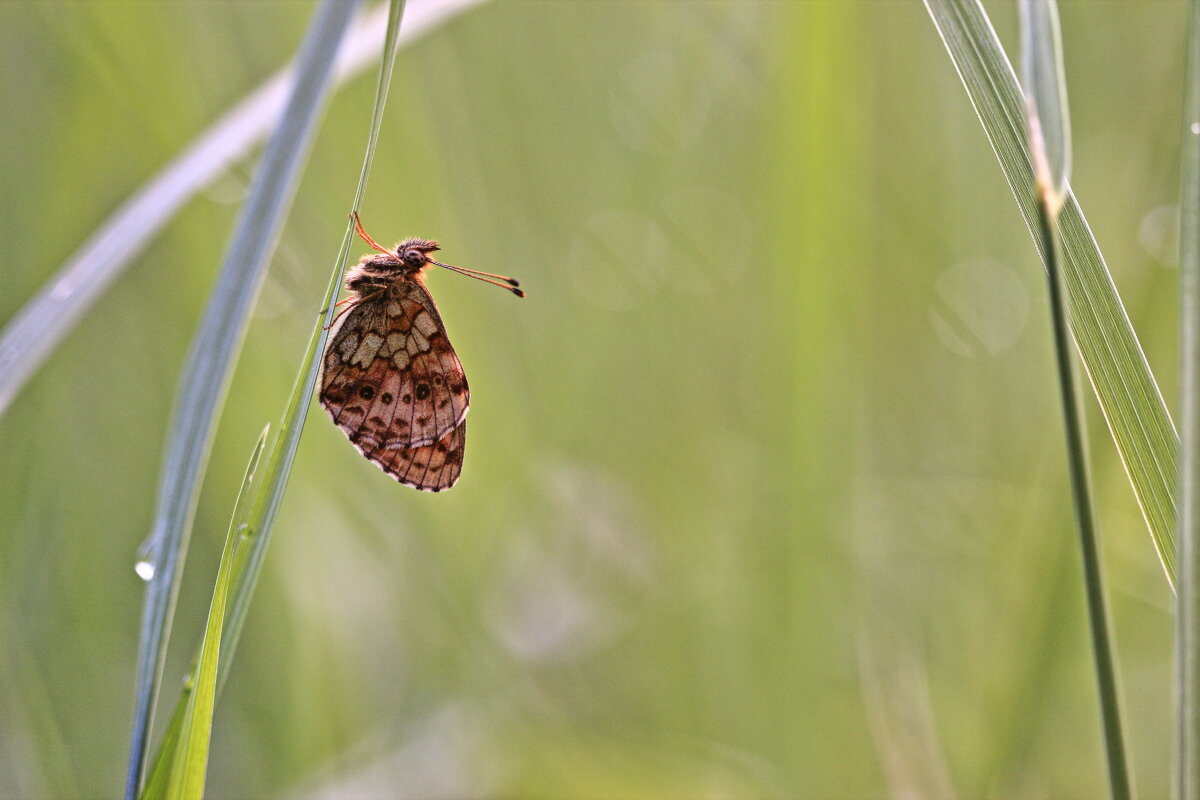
(366, 237)
(503, 281)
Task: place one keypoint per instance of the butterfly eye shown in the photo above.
(414, 258)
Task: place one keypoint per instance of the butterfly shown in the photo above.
(389, 377)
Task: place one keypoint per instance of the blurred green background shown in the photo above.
(765, 491)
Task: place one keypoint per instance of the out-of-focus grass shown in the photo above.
(1187, 650)
(1112, 357)
(764, 426)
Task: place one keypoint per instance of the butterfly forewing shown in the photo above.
(392, 382)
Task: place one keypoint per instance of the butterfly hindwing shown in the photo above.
(430, 468)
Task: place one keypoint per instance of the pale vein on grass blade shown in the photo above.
(214, 350)
(1120, 376)
(42, 323)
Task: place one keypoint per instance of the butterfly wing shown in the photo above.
(429, 370)
(431, 468)
(392, 382)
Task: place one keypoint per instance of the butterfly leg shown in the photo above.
(366, 237)
(353, 301)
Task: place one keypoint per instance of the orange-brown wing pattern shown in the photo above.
(431, 468)
(392, 382)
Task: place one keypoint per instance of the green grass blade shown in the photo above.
(1128, 395)
(1093, 575)
(279, 464)
(1188, 603)
(211, 360)
(255, 512)
(40, 326)
(190, 759)
(184, 727)
(1048, 129)
(160, 769)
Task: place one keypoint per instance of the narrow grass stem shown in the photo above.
(1187, 616)
(1102, 652)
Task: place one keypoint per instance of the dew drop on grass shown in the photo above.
(144, 568)
(147, 559)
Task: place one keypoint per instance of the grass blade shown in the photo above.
(255, 512)
(1098, 617)
(160, 770)
(187, 728)
(279, 461)
(1048, 128)
(1188, 603)
(1128, 395)
(211, 360)
(190, 761)
(40, 326)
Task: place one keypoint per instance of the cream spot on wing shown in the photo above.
(395, 342)
(371, 342)
(401, 359)
(347, 346)
(417, 343)
(395, 310)
(425, 324)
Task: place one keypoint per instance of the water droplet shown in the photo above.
(144, 568)
(147, 558)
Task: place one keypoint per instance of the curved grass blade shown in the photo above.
(160, 770)
(190, 761)
(1120, 377)
(40, 326)
(256, 508)
(1187, 618)
(188, 729)
(214, 348)
(283, 452)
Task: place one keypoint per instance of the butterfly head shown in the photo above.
(415, 252)
(410, 258)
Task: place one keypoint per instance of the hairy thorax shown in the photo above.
(380, 270)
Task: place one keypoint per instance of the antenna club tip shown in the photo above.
(517, 292)
(513, 282)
